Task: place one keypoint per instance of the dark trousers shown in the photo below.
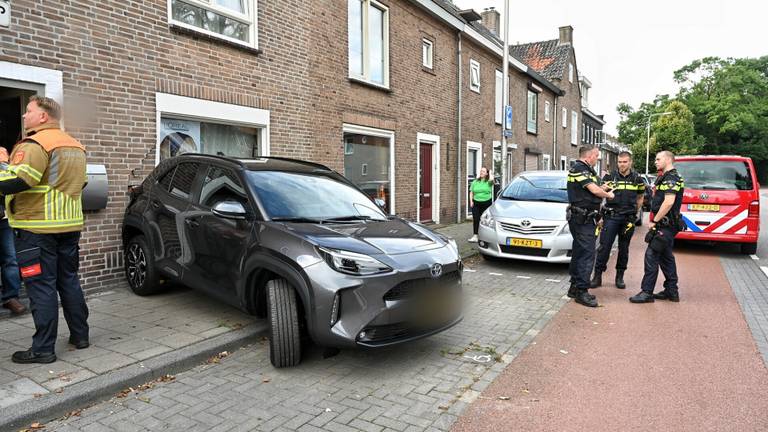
(664, 260)
(8, 265)
(49, 264)
(477, 211)
(614, 226)
(583, 253)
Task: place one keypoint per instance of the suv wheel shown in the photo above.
(749, 248)
(140, 267)
(284, 334)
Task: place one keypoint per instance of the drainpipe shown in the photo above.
(459, 178)
(555, 159)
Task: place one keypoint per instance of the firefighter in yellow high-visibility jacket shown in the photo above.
(42, 185)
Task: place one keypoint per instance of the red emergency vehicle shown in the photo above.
(721, 201)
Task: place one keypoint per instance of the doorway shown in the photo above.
(425, 185)
(474, 163)
(13, 103)
(428, 180)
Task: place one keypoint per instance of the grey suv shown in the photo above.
(295, 242)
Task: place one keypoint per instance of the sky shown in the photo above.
(629, 50)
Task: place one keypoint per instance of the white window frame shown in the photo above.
(250, 17)
(563, 162)
(364, 169)
(382, 133)
(565, 118)
(570, 73)
(471, 145)
(427, 53)
(366, 76)
(546, 161)
(574, 130)
(187, 108)
(498, 114)
(547, 109)
(474, 65)
(534, 113)
(434, 140)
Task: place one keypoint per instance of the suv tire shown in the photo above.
(749, 248)
(284, 334)
(140, 267)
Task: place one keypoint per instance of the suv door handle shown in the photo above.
(156, 204)
(192, 223)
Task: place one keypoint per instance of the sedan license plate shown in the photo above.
(704, 207)
(530, 243)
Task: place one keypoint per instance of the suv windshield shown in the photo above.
(537, 188)
(310, 197)
(715, 175)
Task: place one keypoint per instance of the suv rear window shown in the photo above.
(715, 175)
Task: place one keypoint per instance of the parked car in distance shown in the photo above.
(527, 220)
(294, 242)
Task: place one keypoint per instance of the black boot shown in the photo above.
(642, 297)
(573, 292)
(665, 295)
(586, 299)
(597, 280)
(620, 279)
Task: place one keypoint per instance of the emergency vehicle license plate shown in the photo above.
(530, 243)
(704, 207)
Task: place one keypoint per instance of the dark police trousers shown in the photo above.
(664, 260)
(583, 253)
(614, 226)
(48, 265)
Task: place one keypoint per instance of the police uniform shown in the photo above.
(619, 216)
(43, 185)
(669, 183)
(582, 219)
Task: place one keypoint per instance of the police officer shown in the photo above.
(619, 216)
(666, 222)
(43, 184)
(585, 196)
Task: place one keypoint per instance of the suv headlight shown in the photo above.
(353, 263)
(487, 220)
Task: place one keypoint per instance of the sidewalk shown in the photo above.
(692, 365)
(133, 341)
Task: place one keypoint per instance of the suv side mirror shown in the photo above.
(229, 209)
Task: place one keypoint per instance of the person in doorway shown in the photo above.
(480, 198)
(8, 265)
(43, 185)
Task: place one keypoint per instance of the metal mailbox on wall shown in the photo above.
(95, 192)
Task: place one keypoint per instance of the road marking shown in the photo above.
(764, 269)
(523, 277)
(495, 274)
(754, 257)
(553, 280)
(469, 270)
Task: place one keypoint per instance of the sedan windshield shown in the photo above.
(301, 197)
(532, 187)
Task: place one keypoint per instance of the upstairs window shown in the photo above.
(533, 106)
(231, 20)
(570, 72)
(565, 118)
(574, 129)
(474, 76)
(499, 108)
(427, 53)
(368, 27)
(547, 109)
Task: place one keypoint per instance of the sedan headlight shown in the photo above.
(566, 230)
(487, 220)
(353, 263)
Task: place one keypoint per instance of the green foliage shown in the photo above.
(721, 108)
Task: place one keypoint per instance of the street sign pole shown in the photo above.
(505, 96)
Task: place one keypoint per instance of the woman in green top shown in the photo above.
(480, 194)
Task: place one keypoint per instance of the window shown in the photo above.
(368, 27)
(574, 129)
(570, 72)
(427, 53)
(183, 178)
(221, 184)
(232, 20)
(165, 182)
(546, 162)
(474, 76)
(369, 164)
(499, 112)
(179, 136)
(547, 108)
(533, 106)
(565, 118)
(563, 163)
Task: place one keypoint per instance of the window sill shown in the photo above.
(430, 71)
(369, 84)
(477, 90)
(206, 37)
(536, 133)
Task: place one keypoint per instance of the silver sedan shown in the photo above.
(527, 220)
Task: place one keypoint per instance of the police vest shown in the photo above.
(54, 164)
(626, 190)
(579, 176)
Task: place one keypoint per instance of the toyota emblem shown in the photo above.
(703, 196)
(526, 223)
(436, 271)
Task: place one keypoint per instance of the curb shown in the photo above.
(98, 388)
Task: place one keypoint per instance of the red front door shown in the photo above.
(425, 171)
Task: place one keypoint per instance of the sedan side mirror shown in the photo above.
(229, 209)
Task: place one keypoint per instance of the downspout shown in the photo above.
(555, 159)
(459, 180)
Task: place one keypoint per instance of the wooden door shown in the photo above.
(425, 185)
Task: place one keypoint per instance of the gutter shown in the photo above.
(459, 179)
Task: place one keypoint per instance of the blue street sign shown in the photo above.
(508, 117)
(507, 133)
